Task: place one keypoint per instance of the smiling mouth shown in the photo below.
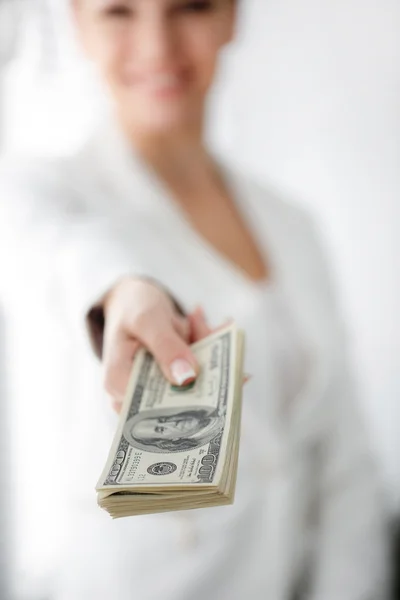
(159, 83)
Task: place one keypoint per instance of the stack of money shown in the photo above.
(177, 448)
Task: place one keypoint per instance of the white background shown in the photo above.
(309, 102)
(317, 113)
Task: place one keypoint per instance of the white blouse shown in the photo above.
(305, 472)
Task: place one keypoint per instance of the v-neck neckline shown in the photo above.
(161, 198)
(165, 198)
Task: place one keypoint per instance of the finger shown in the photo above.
(198, 325)
(117, 365)
(117, 406)
(171, 352)
(182, 326)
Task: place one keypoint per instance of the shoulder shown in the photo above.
(34, 182)
(26, 182)
(64, 171)
(21, 171)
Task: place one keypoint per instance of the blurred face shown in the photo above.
(158, 57)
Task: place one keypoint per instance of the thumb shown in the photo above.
(171, 352)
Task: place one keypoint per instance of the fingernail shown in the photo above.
(182, 371)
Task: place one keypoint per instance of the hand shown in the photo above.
(139, 313)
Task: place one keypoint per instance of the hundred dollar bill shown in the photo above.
(173, 440)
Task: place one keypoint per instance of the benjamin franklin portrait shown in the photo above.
(173, 430)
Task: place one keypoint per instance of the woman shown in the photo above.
(152, 240)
